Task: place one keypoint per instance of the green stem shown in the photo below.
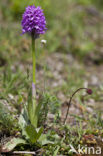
(34, 67)
(34, 117)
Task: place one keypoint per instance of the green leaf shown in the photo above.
(44, 141)
(12, 144)
(22, 120)
(32, 133)
(31, 107)
(34, 120)
(39, 132)
(38, 109)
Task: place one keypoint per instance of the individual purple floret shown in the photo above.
(33, 21)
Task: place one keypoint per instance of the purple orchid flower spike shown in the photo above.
(33, 21)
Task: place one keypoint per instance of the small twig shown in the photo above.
(23, 152)
(89, 91)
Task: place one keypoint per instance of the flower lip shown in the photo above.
(33, 21)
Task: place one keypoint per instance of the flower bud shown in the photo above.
(43, 42)
(89, 91)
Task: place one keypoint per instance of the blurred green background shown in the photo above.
(74, 26)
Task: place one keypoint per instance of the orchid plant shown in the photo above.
(33, 23)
